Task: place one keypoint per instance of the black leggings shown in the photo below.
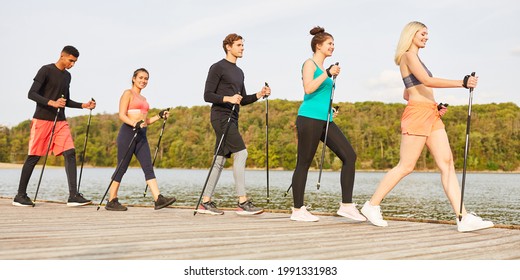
(310, 133)
(139, 148)
(70, 169)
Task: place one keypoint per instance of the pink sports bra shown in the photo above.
(138, 104)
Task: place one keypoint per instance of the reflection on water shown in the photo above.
(420, 195)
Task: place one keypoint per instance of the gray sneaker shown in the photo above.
(248, 208)
(114, 205)
(163, 202)
(209, 208)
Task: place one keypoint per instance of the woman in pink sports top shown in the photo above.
(133, 111)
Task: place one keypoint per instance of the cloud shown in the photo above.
(386, 87)
(386, 79)
(516, 51)
(248, 15)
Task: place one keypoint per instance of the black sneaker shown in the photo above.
(163, 202)
(209, 208)
(114, 205)
(22, 200)
(248, 208)
(78, 200)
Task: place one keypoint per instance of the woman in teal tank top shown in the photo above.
(316, 104)
(311, 123)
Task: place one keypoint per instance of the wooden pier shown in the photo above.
(54, 231)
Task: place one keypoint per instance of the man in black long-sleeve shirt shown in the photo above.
(226, 91)
(50, 91)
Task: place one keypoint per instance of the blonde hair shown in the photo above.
(405, 41)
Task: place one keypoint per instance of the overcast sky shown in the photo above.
(177, 41)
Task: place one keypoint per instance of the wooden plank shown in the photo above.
(55, 231)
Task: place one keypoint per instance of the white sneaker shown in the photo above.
(471, 222)
(349, 210)
(373, 214)
(303, 215)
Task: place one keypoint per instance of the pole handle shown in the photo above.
(267, 85)
(473, 75)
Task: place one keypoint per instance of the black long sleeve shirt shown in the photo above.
(50, 83)
(225, 79)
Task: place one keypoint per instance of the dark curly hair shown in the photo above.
(71, 50)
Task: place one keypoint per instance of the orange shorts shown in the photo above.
(420, 118)
(41, 133)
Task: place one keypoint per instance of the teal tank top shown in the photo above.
(315, 105)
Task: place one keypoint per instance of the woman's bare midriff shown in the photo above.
(420, 93)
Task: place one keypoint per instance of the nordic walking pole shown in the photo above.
(85, 146)
(47, 153)
(287, 191)
(267, 140)
(326, 130)
(119, 165)
(215, 158)
(157, 149)
(466, 150)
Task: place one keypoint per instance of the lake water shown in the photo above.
(420, 195)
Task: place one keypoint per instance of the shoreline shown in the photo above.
(283, 211)
(5, 165)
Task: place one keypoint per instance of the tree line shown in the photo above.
(373, 129)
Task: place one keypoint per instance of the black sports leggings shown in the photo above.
(310, 133)
(139, 148)
(70, 169)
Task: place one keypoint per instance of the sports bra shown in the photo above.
(411, 80)
(138, 104)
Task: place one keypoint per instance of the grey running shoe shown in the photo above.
(209, 208)
(248, 208)
(163, 202)
(22, 200)
(114, 205)
(78, 200)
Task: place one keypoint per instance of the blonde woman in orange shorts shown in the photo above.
(421, 125)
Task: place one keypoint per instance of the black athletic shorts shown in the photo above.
(232, 142)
